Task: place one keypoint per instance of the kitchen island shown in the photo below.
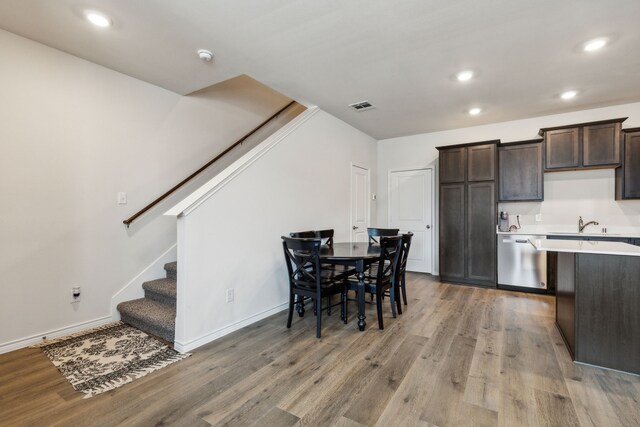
(598, 301)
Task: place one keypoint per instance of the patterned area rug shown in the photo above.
(108, 357)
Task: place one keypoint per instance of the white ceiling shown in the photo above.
(399, 55)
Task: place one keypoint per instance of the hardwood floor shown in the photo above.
(457, 356)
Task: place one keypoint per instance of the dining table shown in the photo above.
(354, 254)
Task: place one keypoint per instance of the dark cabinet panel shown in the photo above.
(453, 164)
(562, 148)
(566, 299)
(601, 145)
(481, 164)
(520, 172)
(481, 232)
(607, 315)
(452, 226)
(628, 176)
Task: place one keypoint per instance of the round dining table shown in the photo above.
(356, 254)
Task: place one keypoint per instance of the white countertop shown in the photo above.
(586, 247)
(531, 231)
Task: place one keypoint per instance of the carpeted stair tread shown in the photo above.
(172, 269)
(150, 316)
(162, 290)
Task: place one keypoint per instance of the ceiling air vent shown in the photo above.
(362, 106)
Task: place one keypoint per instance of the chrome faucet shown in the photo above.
(582, 225)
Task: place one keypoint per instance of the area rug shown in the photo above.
(108, 357)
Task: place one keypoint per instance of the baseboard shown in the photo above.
(26, 342)
(184, 347)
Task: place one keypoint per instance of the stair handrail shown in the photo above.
(135, 216)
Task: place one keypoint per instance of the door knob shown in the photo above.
(428, 227)
(355, 228)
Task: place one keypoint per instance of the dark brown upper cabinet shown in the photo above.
(481, 162)
(628, 176)
(520, 171)
(582, 146)
(453, 164)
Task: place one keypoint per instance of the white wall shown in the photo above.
(72, 135)
(232, 240)
(567, 194)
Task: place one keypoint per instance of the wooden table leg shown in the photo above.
(361, 316)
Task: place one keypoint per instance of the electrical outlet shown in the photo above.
(75, 294)
(229, 296)
(539, 217)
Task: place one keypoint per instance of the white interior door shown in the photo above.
(359, 203)
(410, 209)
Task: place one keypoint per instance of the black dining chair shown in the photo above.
(401, 280)
(380, 232)
(382, 277)
(308, 280)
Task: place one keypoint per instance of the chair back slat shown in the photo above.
(325, 234)
(303, 234)
(380, 232)
(303, 260)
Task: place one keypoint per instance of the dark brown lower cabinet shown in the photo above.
(481, 233)
(452, 237)
(597, 312)
(467, 233)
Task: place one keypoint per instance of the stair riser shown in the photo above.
(172, 274)
(151, 329)
(160, 298)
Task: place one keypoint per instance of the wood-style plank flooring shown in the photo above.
(458, 356)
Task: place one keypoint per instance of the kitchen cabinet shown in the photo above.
(520, 171)
(628, 175)
(468, 213)
(583, 146)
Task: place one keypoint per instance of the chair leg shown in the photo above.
(398, 297)
(404, 289)
(300, 306)
(291, 306)
(328, 305)
(318, 310)
(379, 309)
(392, 298)
(344, 306)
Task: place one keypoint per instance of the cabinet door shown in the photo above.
(601, 145)
(452, 210)
(481, 162)
(520, 172)
(452, 164)
(632, 166)
(481, 233)
(562, 148)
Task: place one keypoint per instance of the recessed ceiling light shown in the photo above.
(595, 44)
(464, 76)
(570, 94)
(98, 19)
(475, 111)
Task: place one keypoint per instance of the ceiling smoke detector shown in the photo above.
(362, 106)
(205, 55)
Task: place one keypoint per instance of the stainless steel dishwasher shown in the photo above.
(520, 265)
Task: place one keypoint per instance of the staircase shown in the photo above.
(156, 312)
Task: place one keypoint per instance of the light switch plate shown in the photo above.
(539, 217)
(122, 198)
